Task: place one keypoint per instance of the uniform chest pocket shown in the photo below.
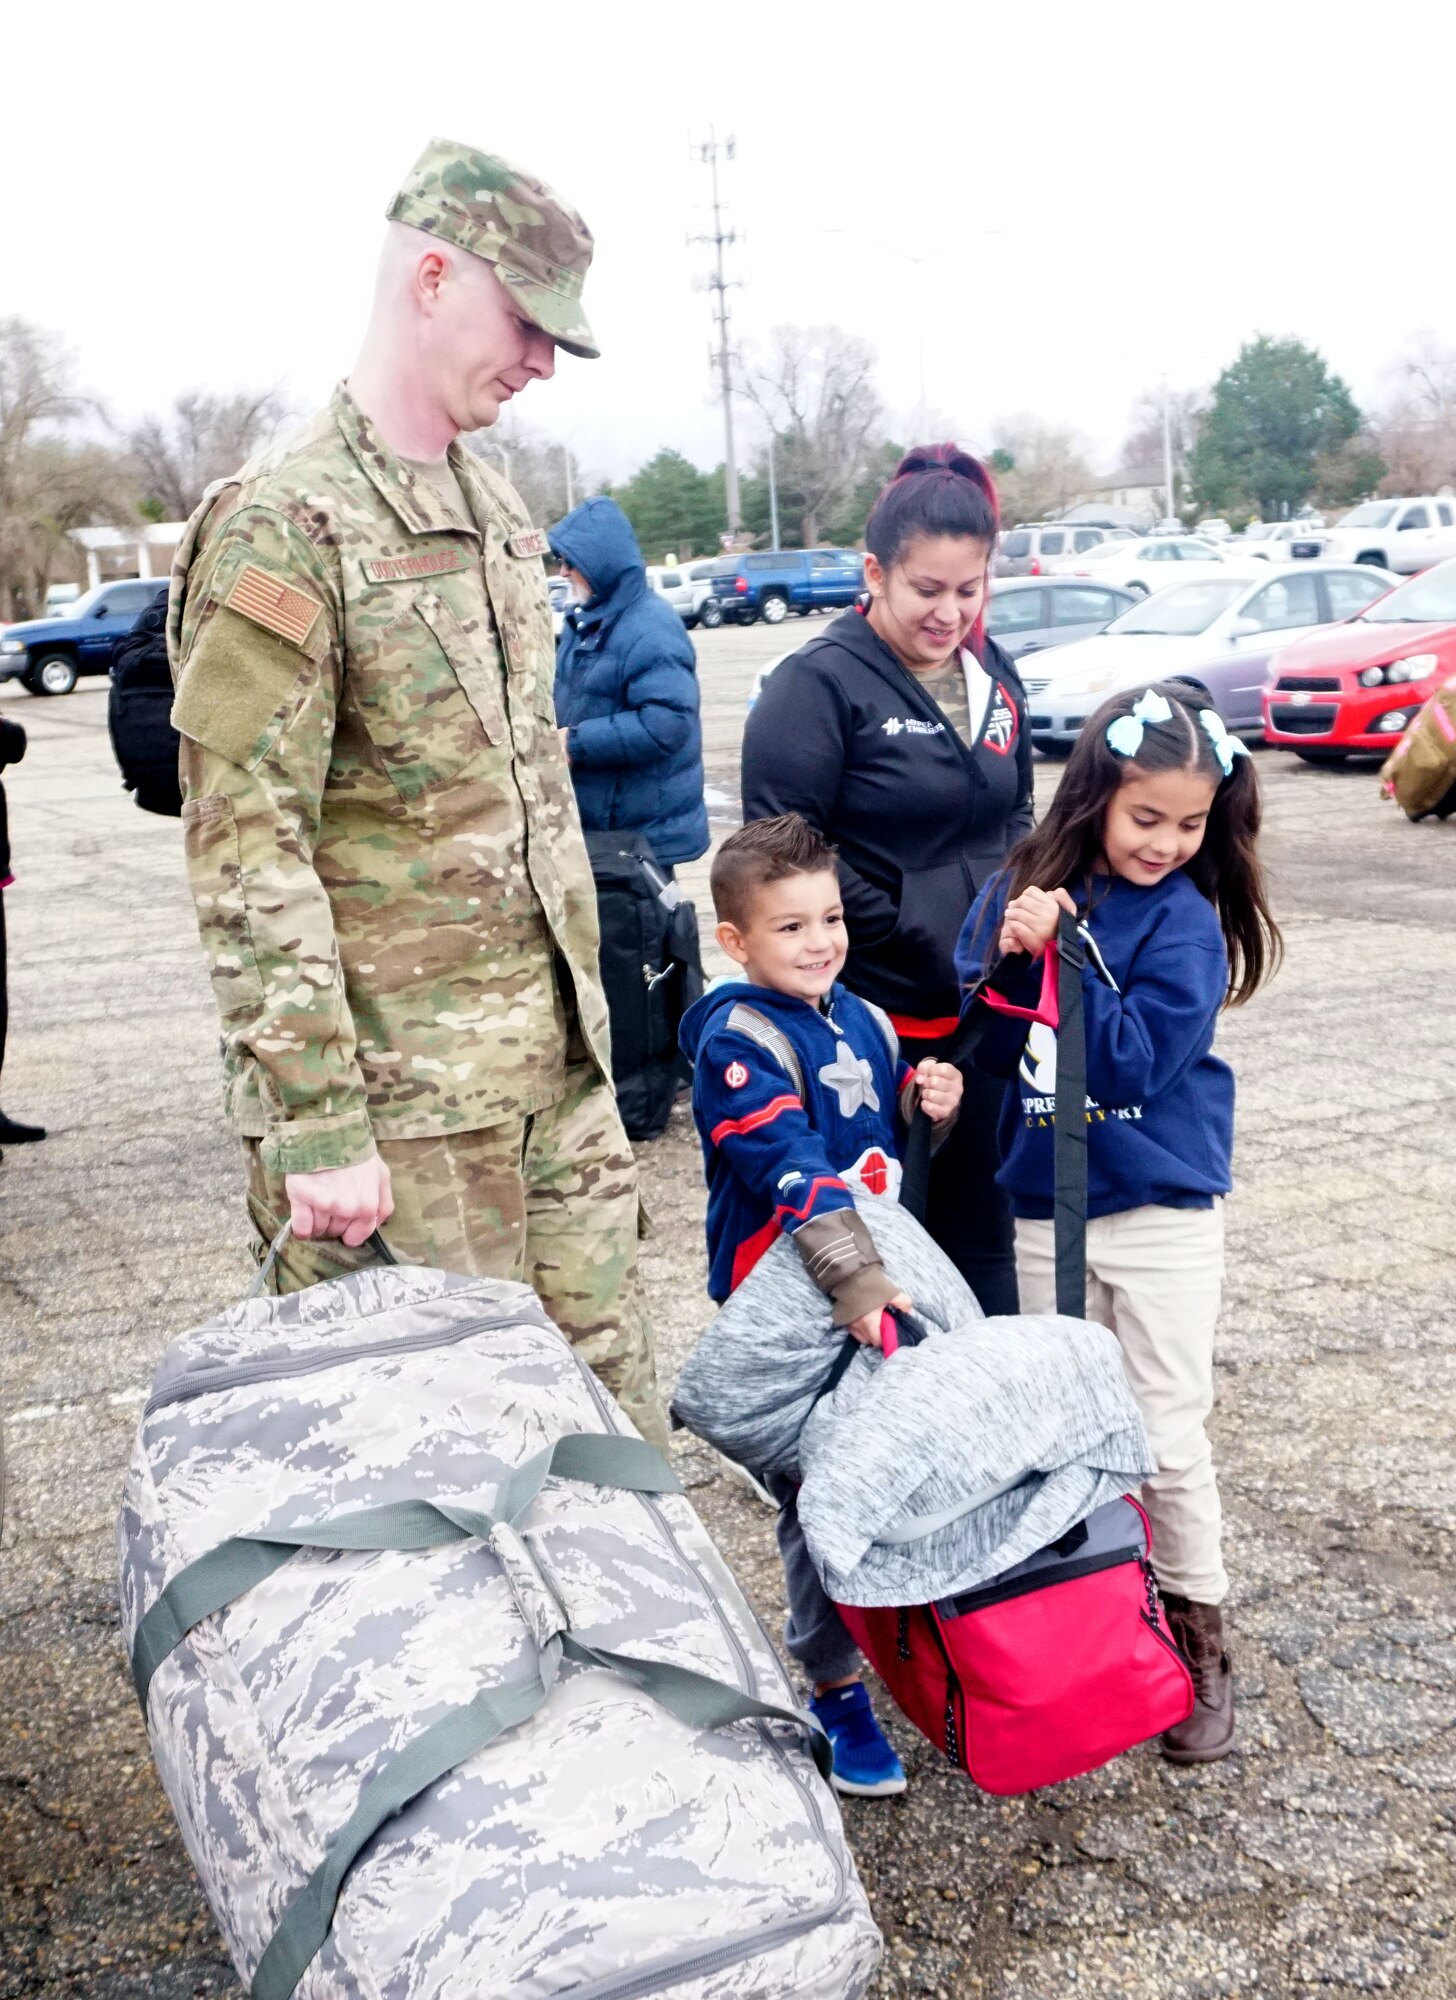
(428, 688)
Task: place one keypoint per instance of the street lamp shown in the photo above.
(565, 449)
(494, 444)
(773, 495)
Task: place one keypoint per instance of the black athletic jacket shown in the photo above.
(845, 735)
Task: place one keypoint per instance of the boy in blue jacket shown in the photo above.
(797, 1085)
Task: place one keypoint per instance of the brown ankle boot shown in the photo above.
(1208, 1733)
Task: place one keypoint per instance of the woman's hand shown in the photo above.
(938, 1086)
(1031, 919)
(866, 1329)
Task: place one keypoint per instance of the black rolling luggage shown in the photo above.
(652, 973)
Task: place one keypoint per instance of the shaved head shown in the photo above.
(447, 345)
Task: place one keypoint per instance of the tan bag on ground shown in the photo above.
(1420, 773)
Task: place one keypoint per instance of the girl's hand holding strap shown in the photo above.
(1030, 920)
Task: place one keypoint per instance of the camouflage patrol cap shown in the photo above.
(540, 248)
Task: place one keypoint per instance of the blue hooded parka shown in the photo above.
(627, 693)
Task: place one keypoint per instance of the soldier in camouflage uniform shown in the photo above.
(390, 878)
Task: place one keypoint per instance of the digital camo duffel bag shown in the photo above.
(451, 1693)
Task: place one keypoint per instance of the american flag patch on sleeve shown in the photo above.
(275, 605)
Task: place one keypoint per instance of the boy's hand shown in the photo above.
(938, 1087)
(1030, 922)
(867, 1330)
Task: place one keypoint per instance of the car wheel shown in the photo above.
(803, 610)
(1137, 589)
(774, 609)
(1322, 756)
(1057, 752)
(1375, 558)
(55, 674)
(710, 617)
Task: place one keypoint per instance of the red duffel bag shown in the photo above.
(1052, 1668)
(1064, 1661)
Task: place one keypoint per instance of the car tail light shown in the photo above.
(740, 584)
(1035, 569)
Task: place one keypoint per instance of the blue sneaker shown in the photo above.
(864, 1763)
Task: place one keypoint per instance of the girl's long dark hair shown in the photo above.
(1065, 849)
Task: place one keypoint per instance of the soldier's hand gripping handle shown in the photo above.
(348, 1202)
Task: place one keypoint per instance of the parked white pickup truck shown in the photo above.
(686, 595)
(1403, 535)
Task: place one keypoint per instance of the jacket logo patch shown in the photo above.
(433, 562)
(528, 542)
(736, 1075)
(275, 605)
(852, 1080)
(910, 725)
(876, 1172)
(1000, 725)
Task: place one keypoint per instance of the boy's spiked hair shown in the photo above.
(764, 851)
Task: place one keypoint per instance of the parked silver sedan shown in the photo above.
(1027, 614)
(1219, 633)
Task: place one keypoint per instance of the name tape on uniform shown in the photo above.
(275, 605)
(528, 542)
(433, 562)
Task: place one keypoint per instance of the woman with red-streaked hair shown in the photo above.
(900, 734)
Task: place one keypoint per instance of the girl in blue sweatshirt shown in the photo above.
(1151, 839)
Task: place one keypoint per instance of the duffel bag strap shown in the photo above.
(694, 1699)
(210, 1584)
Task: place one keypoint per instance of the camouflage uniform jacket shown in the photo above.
(381, 837)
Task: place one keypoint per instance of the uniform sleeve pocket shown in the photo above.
(215, 870)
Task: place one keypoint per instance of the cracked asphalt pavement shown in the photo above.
(1318, 1863)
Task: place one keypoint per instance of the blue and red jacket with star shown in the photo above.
(796, 1106)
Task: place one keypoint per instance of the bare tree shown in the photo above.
(816, 389)
(200, 439)
(1142, 449)
(535, 465)
(48, 485)
(1043, 467)
(1415, 432)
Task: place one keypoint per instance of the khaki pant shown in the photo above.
(1154, 1277)
(550, 1200)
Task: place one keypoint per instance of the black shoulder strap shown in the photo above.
(1070, 1192)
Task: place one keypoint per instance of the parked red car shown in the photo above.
(1355, 686)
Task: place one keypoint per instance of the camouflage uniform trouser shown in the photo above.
(550, 1200)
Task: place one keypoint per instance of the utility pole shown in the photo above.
(773, 495)
(719, 238)
(1168, 456)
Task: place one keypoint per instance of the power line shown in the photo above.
(719, 239)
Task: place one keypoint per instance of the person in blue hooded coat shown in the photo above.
(627, 692)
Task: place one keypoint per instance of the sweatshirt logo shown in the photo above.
(1000, 725)
(736, 1075)
(1039, 1074)
(902, 725)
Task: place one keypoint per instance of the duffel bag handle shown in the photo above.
(898, 1329)
(375, 1242)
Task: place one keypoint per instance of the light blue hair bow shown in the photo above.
(1125, 732)
(1225, 747)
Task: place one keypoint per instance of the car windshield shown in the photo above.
(1259, 532)
(1372, 515)
(78, 606)
(1183, 611)
(1425, 600)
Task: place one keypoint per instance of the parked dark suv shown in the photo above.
(47, 654)
(770, 582)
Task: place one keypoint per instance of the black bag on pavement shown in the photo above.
(651, 971)
(139, 714)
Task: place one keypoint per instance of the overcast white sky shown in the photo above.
(195, 200)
